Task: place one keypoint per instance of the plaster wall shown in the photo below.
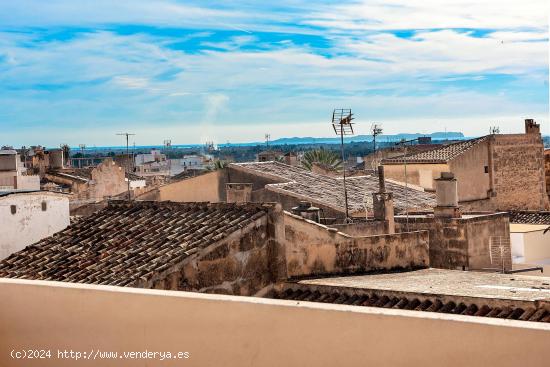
(314, 249)
(220, 330)
(422, 175)
(207, 187)
(30, 223)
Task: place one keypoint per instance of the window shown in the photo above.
(13, 209)
(486, 169)
(44, 206)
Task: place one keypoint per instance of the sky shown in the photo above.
(79, 72)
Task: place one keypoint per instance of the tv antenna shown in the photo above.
(267, 138)
(375, 130)
(494, 130)
(127, 161)
(342, 125)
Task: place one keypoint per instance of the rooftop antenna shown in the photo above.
(375, 131)
(342, 125)
(494, 130)
(267, 137)
(127, 161)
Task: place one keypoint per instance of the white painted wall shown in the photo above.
(30, 223)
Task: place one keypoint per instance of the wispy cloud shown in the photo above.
(171, 64)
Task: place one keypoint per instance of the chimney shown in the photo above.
(383, 203)
(446, 193)
(305, 210)
(531, 127)
(238, 192)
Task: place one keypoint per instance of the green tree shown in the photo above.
(322, 156)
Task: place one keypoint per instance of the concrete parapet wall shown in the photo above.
(219, 330)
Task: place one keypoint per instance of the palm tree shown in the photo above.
(322, 156)
(218, 164)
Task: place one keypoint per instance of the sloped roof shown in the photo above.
(128, 242)
(326, 190)
(530, 217)
(441, 154)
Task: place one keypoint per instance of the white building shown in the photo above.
(27, 217)
(12, 173)
(530, 247)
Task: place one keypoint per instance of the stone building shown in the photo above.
(94, 184)
(240, 249)
(495, 172)
(29, 216)
(289, 185)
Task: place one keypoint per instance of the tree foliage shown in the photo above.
(325, 157)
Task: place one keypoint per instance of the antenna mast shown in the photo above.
(127, 161)
(342, 125)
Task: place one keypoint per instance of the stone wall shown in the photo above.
(316, 250)
(518, 172)
(457, 243)
(547, 170)
(242, 263)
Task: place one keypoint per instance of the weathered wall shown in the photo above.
(108, 179)
(230, 331)
(367, 228)
(459, 242)
(208, 187)
(30, 223)
(469, 170)
(518, 171)
(313, 249)
(242, 263)
(422, 175)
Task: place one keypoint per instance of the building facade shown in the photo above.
(28, 217)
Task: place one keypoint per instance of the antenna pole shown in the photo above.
(127, 162)
(344, 169)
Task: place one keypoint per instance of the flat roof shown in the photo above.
(454, 283)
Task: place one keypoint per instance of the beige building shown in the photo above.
(494, 172)
(93, 184)
(289, 185)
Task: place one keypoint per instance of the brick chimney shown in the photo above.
(238, 192)
(383, 203)
(531, 127)
(446, 193)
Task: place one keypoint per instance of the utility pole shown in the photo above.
(127, 162)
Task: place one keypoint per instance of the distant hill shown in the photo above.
(358, 138)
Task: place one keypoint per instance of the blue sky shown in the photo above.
(80, 71)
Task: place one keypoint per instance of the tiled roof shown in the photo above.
(126, 243)
(326, 190)
(442, 154)
(530, 217)
(406, 302)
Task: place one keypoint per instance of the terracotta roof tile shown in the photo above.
(126, 242)
(430, 304)
(441, 154)
(530, 217)
(321, 189)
